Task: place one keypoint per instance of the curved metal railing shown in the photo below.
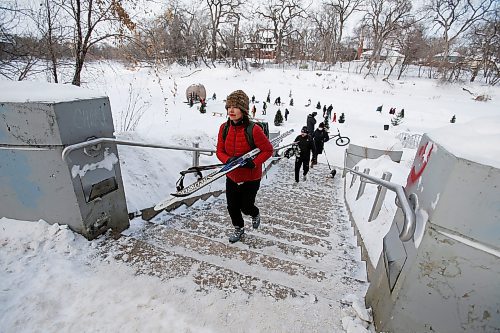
(94, 145)
(407, 204)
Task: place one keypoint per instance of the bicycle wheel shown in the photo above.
(342, 141)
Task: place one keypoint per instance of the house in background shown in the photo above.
(453, 57)
(261, 45)
(386, 55)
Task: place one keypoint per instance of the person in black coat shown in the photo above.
(311, 121)
(320, 136)
(306, 146)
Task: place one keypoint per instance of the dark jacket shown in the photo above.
(320, 137)
(236, 145)
(311, 121)
(306, 147)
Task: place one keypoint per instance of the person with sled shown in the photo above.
(320, 136)
(242, 184)
(311, 121)
(305, 144)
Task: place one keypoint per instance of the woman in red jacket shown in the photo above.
(242, 183)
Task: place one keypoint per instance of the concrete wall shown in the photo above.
(447, 278)
(35, 183)
(355, 153)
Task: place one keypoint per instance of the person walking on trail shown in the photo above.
(320, 136)
(242, 184)
(311, 121)
(329, 111)
(306, 146)
(286, 114)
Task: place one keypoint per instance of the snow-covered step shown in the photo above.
(255, 240)
(157, 260)
(223, 229)
(213, 251)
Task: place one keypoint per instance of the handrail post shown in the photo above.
(362, 184)
(354, 176)
(196, 155)
(379, 198)
(408, 203)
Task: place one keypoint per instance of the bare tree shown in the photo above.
(384, 18)
(485, 40)
(412, 45)
(46, 17)
(93, 21)
(326, 28)
(453, 18)
(221, 12)
(343, 10)
(281, 14)
(19, 55)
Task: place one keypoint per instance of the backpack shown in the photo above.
(248, 131)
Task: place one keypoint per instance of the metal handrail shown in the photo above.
(96, 142)
(409, 214)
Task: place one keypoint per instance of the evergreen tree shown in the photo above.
(453, 119)
(278, 118)
(342, 118)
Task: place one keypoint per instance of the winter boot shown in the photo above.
(237, 235)
(304, 178)
(256, 221)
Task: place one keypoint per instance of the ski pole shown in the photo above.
(332, 172)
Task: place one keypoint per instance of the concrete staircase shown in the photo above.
(303, 259)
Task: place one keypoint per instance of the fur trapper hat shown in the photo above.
(238, 99)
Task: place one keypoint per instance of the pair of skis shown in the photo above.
(222, 171)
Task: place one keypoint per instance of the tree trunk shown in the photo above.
(78, 71)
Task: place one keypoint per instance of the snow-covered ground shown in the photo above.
(53, 280)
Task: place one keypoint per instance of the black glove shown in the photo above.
(229, 160)
(249, 164)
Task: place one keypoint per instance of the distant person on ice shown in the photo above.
(306, 146)
(242, 184)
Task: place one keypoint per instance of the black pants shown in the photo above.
(241, 199)
(298, 164)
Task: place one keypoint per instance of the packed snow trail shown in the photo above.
(290, 275)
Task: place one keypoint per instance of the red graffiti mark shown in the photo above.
(420, 162)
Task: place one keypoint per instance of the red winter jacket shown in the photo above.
(236, 145)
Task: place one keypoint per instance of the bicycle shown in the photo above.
(341, 140)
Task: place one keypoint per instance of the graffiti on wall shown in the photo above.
(420, 163)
